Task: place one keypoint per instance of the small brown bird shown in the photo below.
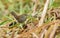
(20, 18)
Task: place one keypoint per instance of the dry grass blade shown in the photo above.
(54, 30)
(34, 8)
(56, 11)
(34, 35)
(42, 33)
(48, 31)
(43, 13)
(39, 29)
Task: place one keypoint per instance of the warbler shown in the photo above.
(19, 18)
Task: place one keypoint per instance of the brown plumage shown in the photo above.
(20, 18)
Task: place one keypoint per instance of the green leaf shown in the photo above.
(51, 2)
(56, 4)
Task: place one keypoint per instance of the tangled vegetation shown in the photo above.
(29, 18)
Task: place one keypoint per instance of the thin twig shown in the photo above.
(53, 31)
(42, 33)
(34, 35)
(43, 13)
(36, 29)
(34, 8)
